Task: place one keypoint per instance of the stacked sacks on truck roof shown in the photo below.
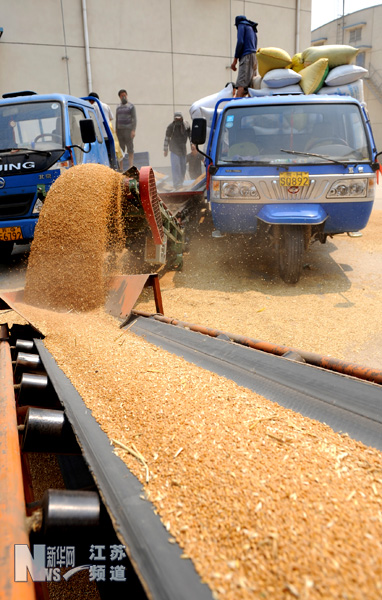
(275, 73)
(344, 78)
(316, 70)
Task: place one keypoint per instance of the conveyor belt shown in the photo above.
(164, 575)
(346, 404)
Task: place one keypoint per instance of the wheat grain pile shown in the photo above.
(80, 221)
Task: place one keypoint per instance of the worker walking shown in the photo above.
(177, 134)
(125, 126)
(245, 53)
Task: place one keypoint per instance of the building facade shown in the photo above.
(166, 53)
(361, 29)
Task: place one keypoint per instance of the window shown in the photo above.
(96, 126)
(75, 116)
(282, 134)
(360, 59)
(355, 35)
(31, 125)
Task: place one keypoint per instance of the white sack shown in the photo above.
(351, 89)
(289, 89)
(277, 78)
(210, 101)
(345, 74)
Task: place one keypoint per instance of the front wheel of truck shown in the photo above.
(291, 245)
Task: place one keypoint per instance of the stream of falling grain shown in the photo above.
(80, 221)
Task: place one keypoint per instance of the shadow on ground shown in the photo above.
(239, 264)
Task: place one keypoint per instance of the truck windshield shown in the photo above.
(264, 134)
(32, 125)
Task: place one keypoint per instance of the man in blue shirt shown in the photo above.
(245, 53)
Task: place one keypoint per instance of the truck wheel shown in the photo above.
(6, 249)
(291, 252)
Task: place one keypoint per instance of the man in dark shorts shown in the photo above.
(125, 125)
(245, 53)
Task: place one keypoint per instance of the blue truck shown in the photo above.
(40, 137)
(289, 169)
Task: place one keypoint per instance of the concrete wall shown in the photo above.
(166, 53)
(338, 32)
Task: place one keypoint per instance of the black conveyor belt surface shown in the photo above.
(163, 573)
(346, 404)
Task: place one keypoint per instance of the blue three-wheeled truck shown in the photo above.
(290, 169)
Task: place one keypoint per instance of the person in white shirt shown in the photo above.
(106, 109)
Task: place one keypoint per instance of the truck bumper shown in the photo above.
(292, 214)
(336, 217)
(27, 227)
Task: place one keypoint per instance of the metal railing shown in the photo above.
(374, 82)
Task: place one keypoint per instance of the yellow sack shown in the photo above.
(336, 54)
(118, 150)
(297, 62)
(313, 77)
(272, 58)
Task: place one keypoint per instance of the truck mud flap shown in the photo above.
(346, 404)
(292, 214)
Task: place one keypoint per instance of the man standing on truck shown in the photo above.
(245, 53)
(177, 134)
(125, 126)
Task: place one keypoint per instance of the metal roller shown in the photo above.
(30, 363)
(48, 431)
(70, 508)
(34, 389)
(24, 345)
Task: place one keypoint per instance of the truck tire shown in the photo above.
(6, 249)
(291, 252)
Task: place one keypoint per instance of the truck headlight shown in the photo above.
(234, 189)
(349, 188)
(37, 207)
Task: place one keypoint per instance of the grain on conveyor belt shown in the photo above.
(267, 503)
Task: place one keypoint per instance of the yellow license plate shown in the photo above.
(294, 178)
(10, 234)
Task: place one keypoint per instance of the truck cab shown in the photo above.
(40, 137)
(289, 169)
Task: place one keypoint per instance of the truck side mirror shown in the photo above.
(199, 131)
(88, 134)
